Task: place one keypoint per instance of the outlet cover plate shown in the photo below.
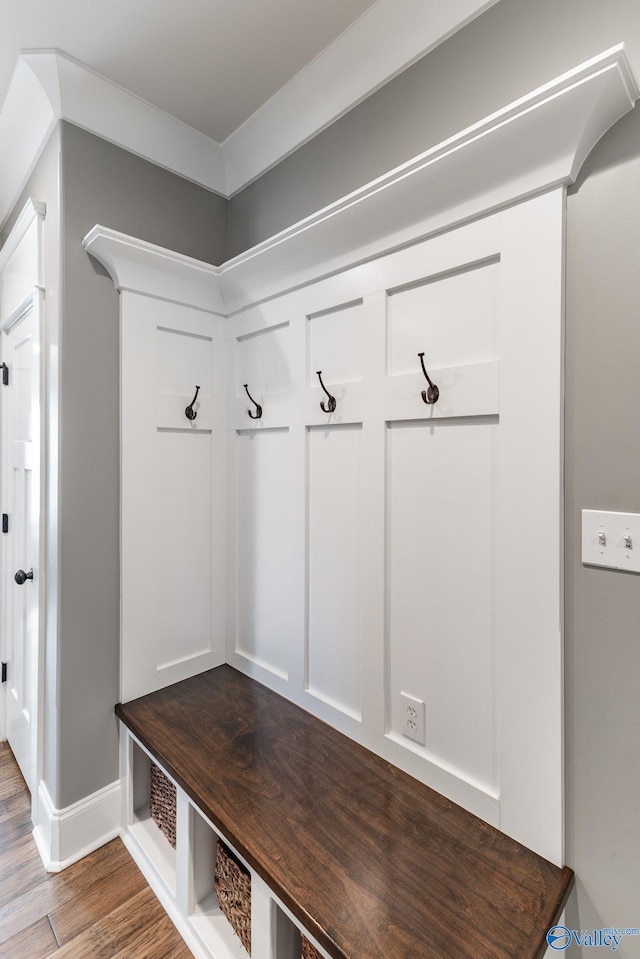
(413, 719)
(611, 539)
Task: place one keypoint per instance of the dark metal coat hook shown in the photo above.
(258, 412)
(331, 405)
(190, 413)
(432, 395)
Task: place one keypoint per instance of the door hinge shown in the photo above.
(4, 672)
(5, 374)
(5, 522)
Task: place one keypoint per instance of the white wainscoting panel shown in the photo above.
(262, 362)
(389, 546)
(335, 346)
(173, 476)
(441, 562)
(422, 540)
(262, 524)
(334, 643)
(183, 483)
(450, 317)
(180, 357)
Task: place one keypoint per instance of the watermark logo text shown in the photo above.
(560, 938)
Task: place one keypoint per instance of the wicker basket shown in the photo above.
(233, 890)
(162, 803)
(309, 951)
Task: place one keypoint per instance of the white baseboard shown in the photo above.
(63, 836)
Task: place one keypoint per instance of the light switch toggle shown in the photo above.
(628, 542)
(602, 538)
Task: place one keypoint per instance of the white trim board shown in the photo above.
(29, 212)
(534, 144)
(27, 118)
(48, 86)
(63, 836)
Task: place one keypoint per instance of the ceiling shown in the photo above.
(209, 63)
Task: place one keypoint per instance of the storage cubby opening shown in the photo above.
(287, 936)
(144, 827)
(308, 950)
(233, 892)
(141, 782)
(207, 918)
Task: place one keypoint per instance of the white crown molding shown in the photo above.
(532, 145)
(537, 143)
(90, 101)
(63, 836)
(379, 42)
(48, 86)
(142, 267)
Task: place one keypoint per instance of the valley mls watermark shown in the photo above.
(560, 938)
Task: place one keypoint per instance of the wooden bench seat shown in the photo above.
(373, 863)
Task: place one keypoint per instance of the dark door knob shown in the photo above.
(21, 577)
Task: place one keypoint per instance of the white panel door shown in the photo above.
(20, 568)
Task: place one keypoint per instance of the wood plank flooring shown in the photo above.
(101, 907)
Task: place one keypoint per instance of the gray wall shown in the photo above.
(602, 607)
(85, 180)
(102, 183)
(512, 48)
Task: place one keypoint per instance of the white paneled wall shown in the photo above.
(386, 548)
(434, 315)
(183, 480)
(334, 541)
(262, 525)
(372, 544)
(173, 493)
(262, 361)
(335, 344)
(441, 587)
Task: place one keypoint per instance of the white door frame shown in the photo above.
(34, 301)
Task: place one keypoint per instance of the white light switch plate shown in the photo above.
(611, 539)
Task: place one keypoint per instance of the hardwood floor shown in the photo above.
(99, 908)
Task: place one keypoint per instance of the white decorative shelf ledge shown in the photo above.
(152, 270)
(534, 144)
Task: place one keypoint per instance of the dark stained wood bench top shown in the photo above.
(375, 864)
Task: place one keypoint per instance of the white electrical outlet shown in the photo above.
(413, 718)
